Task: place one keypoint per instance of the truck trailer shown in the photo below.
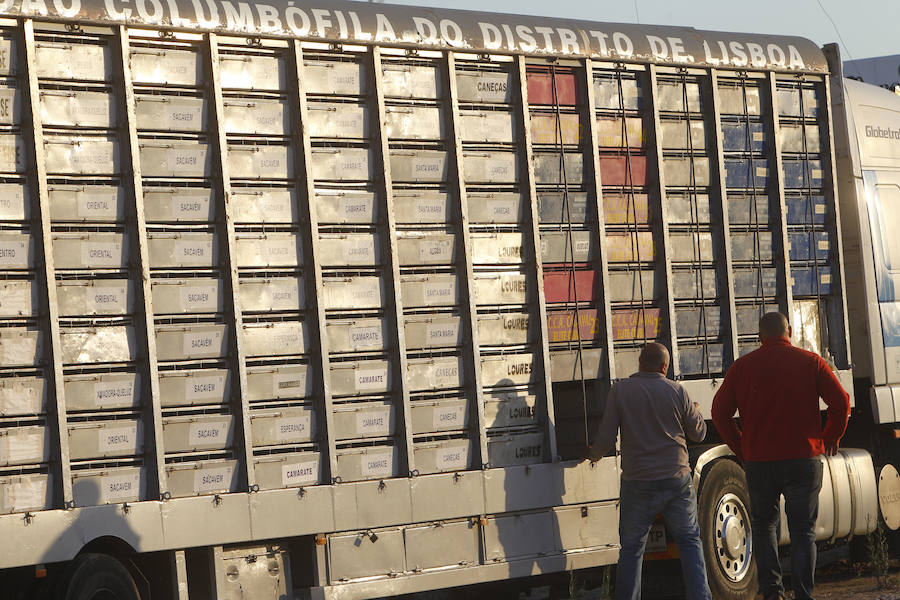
(306, 300)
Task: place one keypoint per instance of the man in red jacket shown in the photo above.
(777, 389)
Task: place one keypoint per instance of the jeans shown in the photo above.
(799, 481)
(640, 502)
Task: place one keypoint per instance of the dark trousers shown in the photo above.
(799, 481)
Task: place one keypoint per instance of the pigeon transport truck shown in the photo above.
(308, 300)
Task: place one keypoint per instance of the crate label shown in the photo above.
(362, 292)
(10, 153)
(515, 322)
(373, 422)
(370, 379)
(825, 278)
(270, 160)
(15, 299)
(762, 171)
(498, 169)
(119, 487)
(582, 247)
(759, 136)
(16, 398)
(817, 173)
(193, 252)
(101, 254)
(430, 209)
(377, 465)
(186, 160)
(439, 291)
(213, 480)
(823, 245)
(427, 167)
(89, 155)
(503, 210)
(449, 417)
(201, 343)
(436, 251)
(206, 387)
(268, 116)
(273, 207)
(512, 287)
(22, 446)
(13, 253)
(97, 205)
(365, 336)
(199, 298)
(292, 385)
(352, 165)
(190, 207)
(510, 253)
(302, 473)
(289, 337)
(283, 295)
(346, 122)
(452, 459)
(357, 250)
(342, 77)
(517, 409)
(442, 334)
(355, 208)
(89, 109)
(524, 450)
(8, 112)
(208, 433)
(113, 439)
(12, 203)
(444, 375)
(105, 299)
(25, 493)
(292, 428)
(491, 87)
(177, 65)
(113, 393)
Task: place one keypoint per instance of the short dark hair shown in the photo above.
(653, 356)
(773, 324)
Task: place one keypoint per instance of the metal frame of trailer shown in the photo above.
(398, 527)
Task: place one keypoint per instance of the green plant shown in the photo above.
(877, 545)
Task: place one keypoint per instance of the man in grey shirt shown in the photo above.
(656, 418)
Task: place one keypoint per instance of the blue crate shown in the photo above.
(803, 173)
(806, 243)
(738, 173)
(689, 321)
(734, 137)
(798, 209)
(805, 280)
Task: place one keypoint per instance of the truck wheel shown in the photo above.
(724, 513)
(98, 577)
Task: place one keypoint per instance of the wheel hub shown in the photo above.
(733, 539)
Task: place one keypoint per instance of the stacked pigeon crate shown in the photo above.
(754, 223)
(353, 233)
(95, 281)
(429, 250)
(803, 140)
(698, 272)
(26, 373)
(504, 280)
(258, 117)
(197, 385)
(631, 213)
(567, 209)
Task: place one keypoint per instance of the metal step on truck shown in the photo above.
(322, 300)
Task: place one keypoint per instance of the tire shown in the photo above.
(98, 577)
(724, 514)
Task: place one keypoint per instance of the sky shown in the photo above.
(868, 27)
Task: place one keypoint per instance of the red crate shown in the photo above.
(565, 286)
(637, 246)
(540, 88)
(626, 209)
(635, 324)
(561, 325)
(614, 170)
